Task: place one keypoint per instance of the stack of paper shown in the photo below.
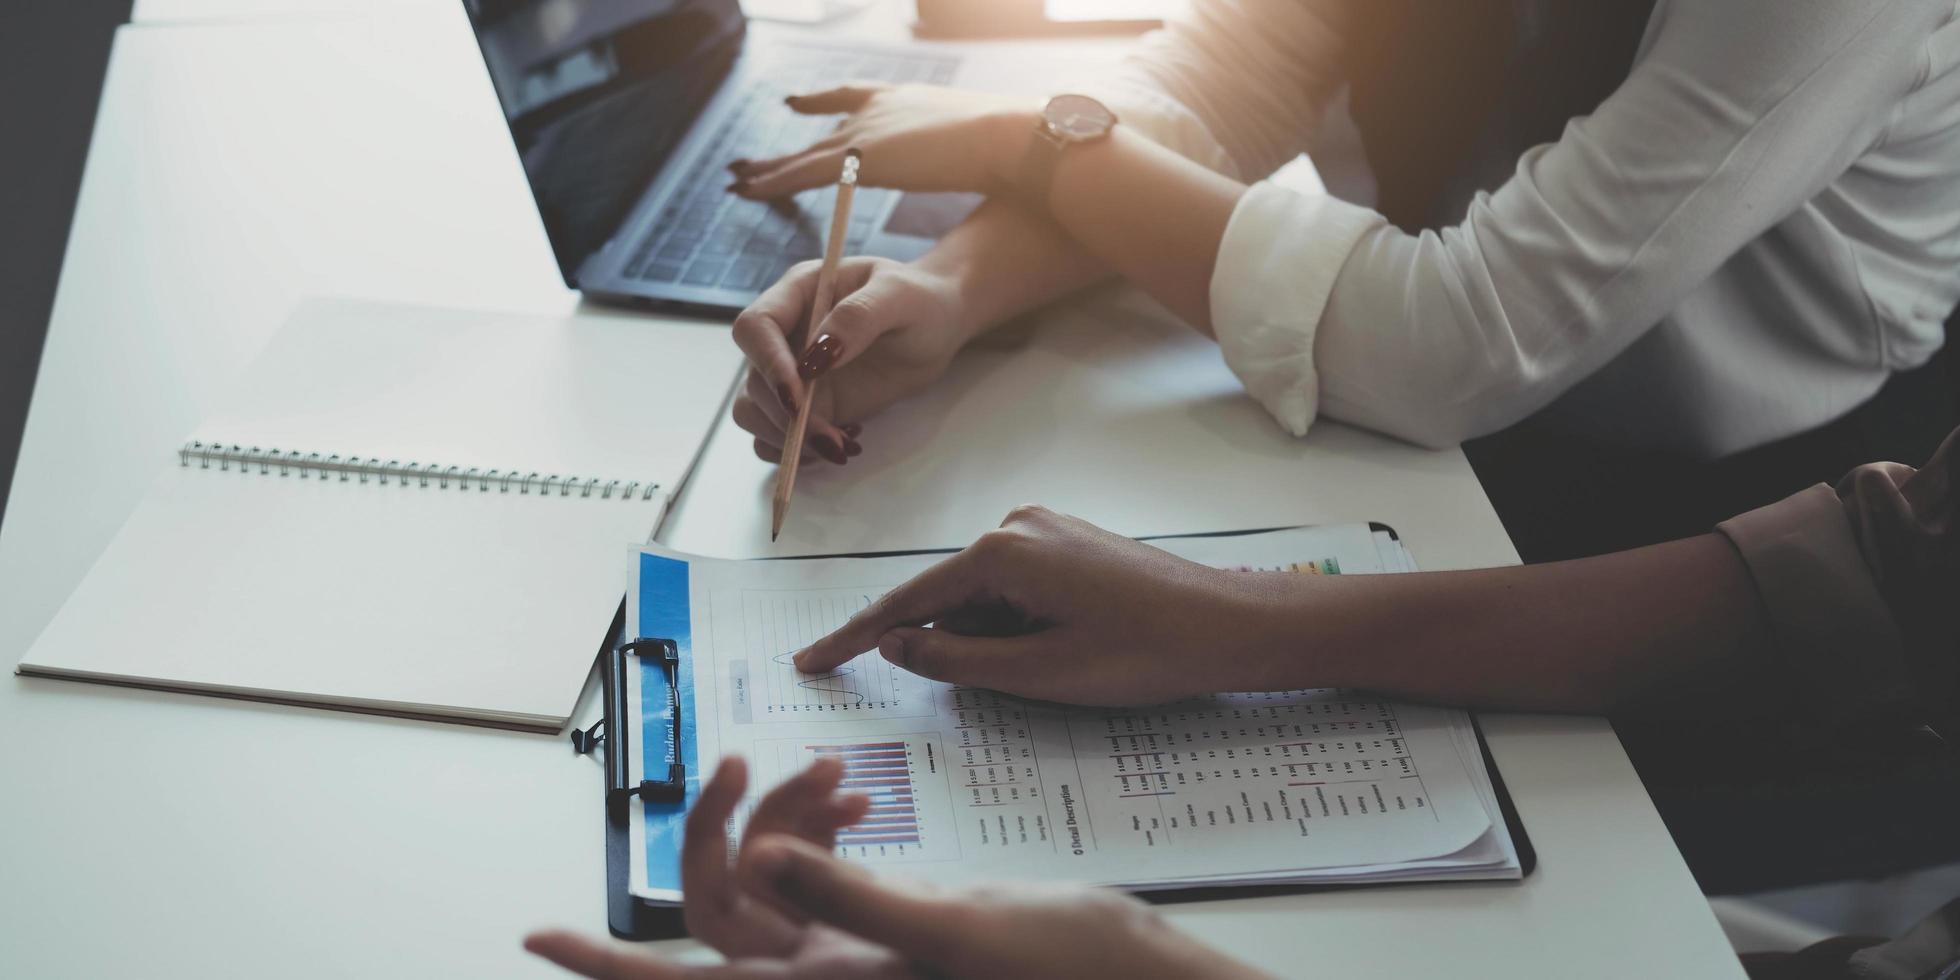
(1289, 787)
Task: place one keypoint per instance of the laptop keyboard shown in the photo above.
(708, 238)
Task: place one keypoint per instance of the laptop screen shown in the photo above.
(597, 92)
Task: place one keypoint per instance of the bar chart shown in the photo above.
(909, 818)
(883, 772)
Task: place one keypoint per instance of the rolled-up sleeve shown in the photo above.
(1736, 114)
(1859, 586)
(1276, 268)
(1239, 86)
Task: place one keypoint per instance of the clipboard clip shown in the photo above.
(619, 784)
(584, 740)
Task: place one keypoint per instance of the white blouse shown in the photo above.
(1740, 244)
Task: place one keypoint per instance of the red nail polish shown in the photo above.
(788, 397)
(820, 356)
(831, 450)
(851, 447)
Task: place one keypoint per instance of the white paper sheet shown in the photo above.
(969, 784)
(408, 594)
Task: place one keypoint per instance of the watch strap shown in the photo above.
(1037, 176)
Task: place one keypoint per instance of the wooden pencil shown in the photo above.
(833, 253)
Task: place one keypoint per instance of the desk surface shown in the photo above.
(238, 168)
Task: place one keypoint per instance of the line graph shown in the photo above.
(777, 624)
(837, 683)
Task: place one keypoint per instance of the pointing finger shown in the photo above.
(1001, 663)
(934, 592)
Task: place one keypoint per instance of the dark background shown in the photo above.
(52, 57)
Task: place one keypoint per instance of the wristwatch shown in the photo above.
(1068, 120)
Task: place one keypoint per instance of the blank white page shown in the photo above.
(473, 604)
(608, 396)
(469, 605)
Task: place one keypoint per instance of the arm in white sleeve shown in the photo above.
(1739, 112)
(1236, 85)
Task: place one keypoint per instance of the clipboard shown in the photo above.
(627, 916)
(632, 918)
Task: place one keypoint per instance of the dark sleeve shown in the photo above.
(1862, 589)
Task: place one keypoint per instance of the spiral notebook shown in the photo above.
(396, 511)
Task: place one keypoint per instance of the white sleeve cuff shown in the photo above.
(1277, 265)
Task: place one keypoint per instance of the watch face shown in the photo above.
(1078, 118)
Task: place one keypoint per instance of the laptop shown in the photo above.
(626, 114)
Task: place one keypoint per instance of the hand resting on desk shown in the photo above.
(788, 910)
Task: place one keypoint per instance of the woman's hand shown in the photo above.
(913, 137)
(789, 910)
(1053, 607)
(756, 937)
(893, 330)
(1010, 930)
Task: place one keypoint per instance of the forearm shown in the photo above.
(1005, 261)
(1587, 635)
(1152, 216)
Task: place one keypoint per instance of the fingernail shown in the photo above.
(853, 430)
(820, 356)
(851, 447)
(739, 165)
(792, 100)
(788, 396)
(830, 450)
(739, 186)
(800, 657)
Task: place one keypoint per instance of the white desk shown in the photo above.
(238, 168)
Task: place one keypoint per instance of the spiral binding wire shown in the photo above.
(393, 472)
